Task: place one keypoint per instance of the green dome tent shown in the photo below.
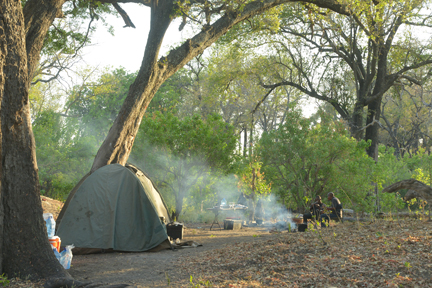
(115, 208)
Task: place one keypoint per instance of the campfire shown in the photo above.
(289, 224)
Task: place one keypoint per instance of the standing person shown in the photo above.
(315, 209)
(335, 210)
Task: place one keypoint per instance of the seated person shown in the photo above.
(315, 210)
(335, 210)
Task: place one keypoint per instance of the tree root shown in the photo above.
(62, 282)
(67, 282)
(95, 285)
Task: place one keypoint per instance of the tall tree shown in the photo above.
(406, 118)
(305, 161)
(24, 30)
(352, 61)
(253, 183)
(19, 168)
(153, 72)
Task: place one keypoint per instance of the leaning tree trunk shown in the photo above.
(119, 141)
(26, 250)
(117, 146)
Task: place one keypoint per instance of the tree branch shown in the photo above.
(342, 112)
(210, 33)
(124, 15)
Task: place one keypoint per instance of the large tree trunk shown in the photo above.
(3, 49)
(119, 141)
(26, 250)
(356, 122)
(372, 131)
(374, 106)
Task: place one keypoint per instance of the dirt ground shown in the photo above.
(155, 269)
(390, 252)
(158, 269)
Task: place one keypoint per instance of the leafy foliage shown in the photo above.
(304, 161)
(66, 143)
(63, 157)
(96, 103)
(65, 37)
(181, 153)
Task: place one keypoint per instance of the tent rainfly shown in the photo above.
(115, 208)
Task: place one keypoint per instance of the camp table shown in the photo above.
(217, 209)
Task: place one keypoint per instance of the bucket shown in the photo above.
(55, 241)
(302, 227)
(175, 231)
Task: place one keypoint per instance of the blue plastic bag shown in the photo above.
(65, 257)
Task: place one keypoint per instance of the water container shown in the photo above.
(50, 224)
(65, 257)
(223, 202)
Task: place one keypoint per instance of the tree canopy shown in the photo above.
(350, 61)
(181, 152)
(27, 32)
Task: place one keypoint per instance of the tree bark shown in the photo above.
(356, 122)
(26, 250)
(372, 132)
(25, 247)
(119, 141)
(3, 51)
(38, 17)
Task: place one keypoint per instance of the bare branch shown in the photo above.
(262, 100)
(124, 15)
(312, 93)
(373, 123)
(144, 2)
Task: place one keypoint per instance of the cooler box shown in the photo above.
(55, 241)
(232, 224)
(175, 231)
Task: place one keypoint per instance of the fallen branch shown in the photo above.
(416, 188)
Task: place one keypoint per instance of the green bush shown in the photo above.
(191, 216)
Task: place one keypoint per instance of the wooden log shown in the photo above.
(416, 188)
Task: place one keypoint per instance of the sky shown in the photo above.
(126, 47)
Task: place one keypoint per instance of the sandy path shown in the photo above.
(151, 269)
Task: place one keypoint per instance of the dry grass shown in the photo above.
(384, 253)
(380, 254)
